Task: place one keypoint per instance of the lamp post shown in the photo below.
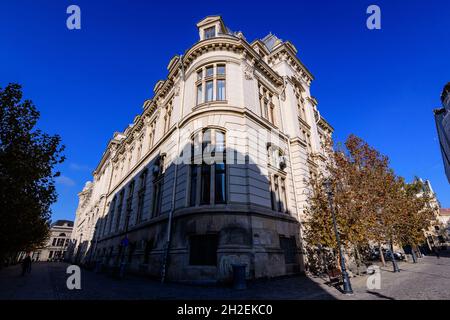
(347, 285)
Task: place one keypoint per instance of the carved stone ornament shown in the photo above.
(176, 90)
(248, 71)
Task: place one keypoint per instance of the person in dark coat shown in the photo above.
(436, 251)
(26, 265)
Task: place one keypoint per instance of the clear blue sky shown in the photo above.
(380, 85)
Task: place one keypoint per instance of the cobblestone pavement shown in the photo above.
(428, 279)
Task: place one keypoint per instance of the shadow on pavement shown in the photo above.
(379, 295)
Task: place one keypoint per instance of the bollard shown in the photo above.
(239, 282)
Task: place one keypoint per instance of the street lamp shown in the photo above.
(347, 285)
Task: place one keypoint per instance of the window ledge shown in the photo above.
(210, 104)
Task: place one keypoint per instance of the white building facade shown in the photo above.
(57, 244)
(157, 202)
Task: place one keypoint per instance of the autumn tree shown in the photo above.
(372, 204)
(417, 214)
(28, 158)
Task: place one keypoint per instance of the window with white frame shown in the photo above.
(119, 210)
(139, 148)
(158, 182)
(141, 195)
(168, 116)
(277, 179)
(300, 103)
(129, 204)
(211, 83)
(276, 157)
(151, 138)
(266, 100)
(209, 32)
(307, 137)
(208, 181)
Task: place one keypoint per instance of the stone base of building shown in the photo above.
(204, 245)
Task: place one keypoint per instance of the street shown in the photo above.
(428, 279)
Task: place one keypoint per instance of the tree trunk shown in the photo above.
(382, 255)
(358, 260)
(413, 254)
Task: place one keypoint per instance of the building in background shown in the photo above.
(444, 218)
(442, 118)
(249, 105)
(434, 232)
(57, 245)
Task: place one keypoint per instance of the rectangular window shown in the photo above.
(193, 191)
(272, 193)
(221, 69)
(220, 90)
(140, 206)
(119, 210)
(203, 250)
(209, 91)
(272, 114)
(54, 241)
(289, 248)
(220, 141)
(277, 194)
(199, 75)
(265, 108)
(220, 183)
(157, 199)
(283, 195)
(210, 32)
(209, 71)
(199, 93)
(206, 141)
(205, 183)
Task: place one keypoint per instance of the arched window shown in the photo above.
(62, 234)
(208, 182)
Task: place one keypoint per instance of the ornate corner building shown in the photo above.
(442, 118)
(249, 104)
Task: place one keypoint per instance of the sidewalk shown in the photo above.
(428, 279)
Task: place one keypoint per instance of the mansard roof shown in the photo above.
(271, 41)
(62, 223)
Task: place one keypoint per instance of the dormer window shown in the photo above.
(210, 32)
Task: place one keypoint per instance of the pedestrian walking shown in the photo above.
(436, 252)
(26, 265)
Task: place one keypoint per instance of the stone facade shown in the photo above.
(57, 245)
(442, 118)
(249, 103)
(444, 219)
